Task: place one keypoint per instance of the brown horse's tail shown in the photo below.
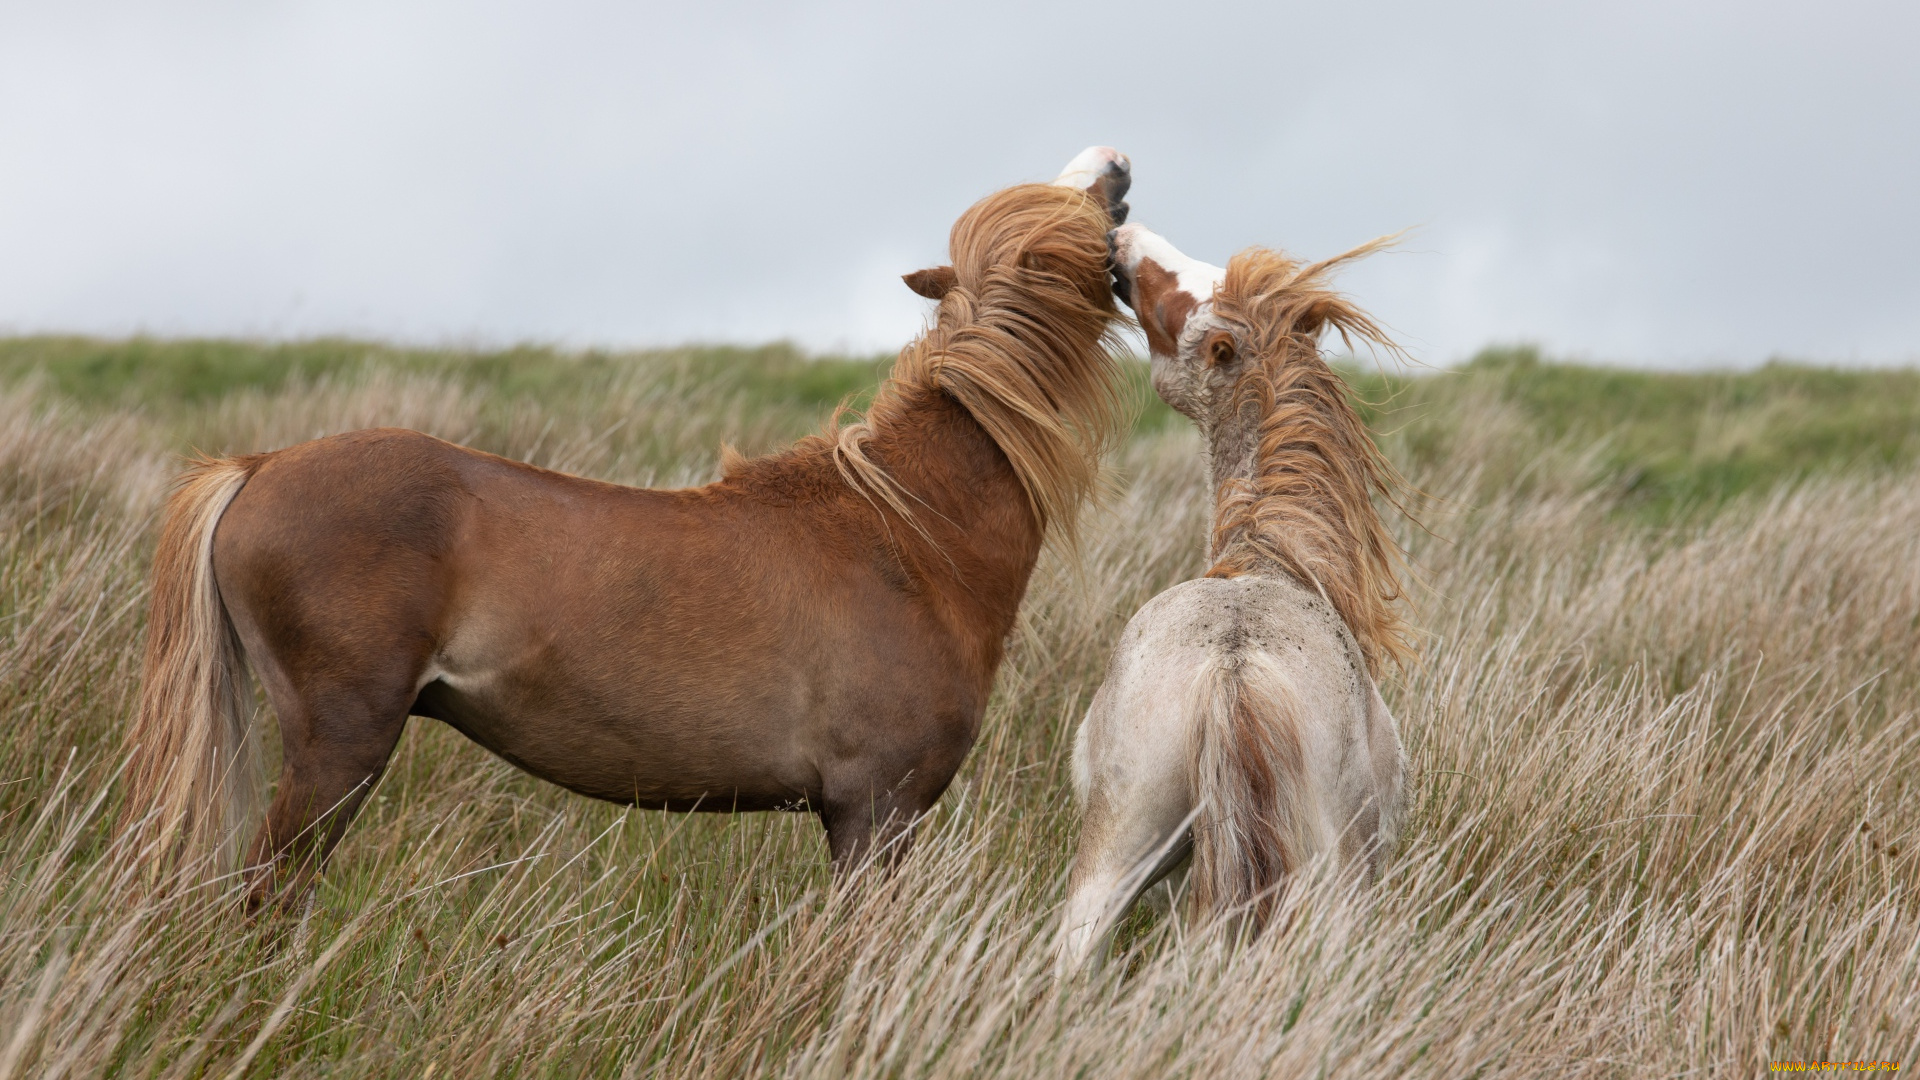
(194, 777)
(1247, 769)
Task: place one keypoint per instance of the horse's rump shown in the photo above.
(1256, 814)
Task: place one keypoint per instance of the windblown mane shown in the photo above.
(1309, 505)
(1021, 342)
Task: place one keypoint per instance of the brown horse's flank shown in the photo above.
(819, 628)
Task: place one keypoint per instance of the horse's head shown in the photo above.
(1100, 171)
(1104, 173)
(1195, 360)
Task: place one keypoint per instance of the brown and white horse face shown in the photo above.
(1172, 296)
(1100, 171)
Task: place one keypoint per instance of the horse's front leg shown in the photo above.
(871, 804)
(879, 828)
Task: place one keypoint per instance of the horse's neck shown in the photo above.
(984, 537)
(1233, 448)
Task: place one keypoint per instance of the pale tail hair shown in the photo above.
(1255, 820)
(195, 765)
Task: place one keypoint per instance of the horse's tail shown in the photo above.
(1256, 819)
(194, 776)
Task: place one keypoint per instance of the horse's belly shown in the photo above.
(657, 750)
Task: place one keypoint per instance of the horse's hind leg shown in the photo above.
(334, 564)
(336, 736)
(1124, 850)
(1132, 833)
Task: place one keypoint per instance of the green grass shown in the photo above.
(1665, 737)
(1671, 439)
(158, 373)
(1670, 443)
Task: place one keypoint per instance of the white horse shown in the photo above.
(1239, 732)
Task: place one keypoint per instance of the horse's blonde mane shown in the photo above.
(1021, 341)
(1309, 505)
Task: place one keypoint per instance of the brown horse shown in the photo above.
(817, 630)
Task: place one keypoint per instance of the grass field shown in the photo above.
(1665, 789)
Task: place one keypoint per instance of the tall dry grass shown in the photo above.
(1665, 796)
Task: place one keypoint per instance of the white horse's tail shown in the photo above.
(195, 773)
(1247, 769)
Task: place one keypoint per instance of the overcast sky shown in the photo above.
(1677, 182)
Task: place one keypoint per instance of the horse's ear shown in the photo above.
(932, 283)
(1313, 318)
(1219, 349)
(1328, 311)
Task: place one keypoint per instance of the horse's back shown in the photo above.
(389, 522)
(353, 545)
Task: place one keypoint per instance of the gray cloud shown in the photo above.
(1681, 182)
